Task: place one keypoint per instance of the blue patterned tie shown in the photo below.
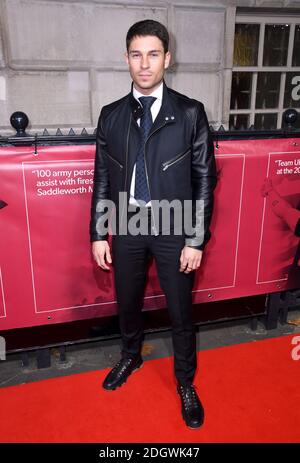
(141, 186)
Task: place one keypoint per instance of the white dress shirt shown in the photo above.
(158, 93)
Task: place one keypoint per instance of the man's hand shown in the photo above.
(101, 253)
(190, 259)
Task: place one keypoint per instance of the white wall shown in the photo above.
(60, 61)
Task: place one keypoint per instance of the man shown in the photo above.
(153, 144)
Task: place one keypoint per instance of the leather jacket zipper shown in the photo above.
(114, 160)
(126, 163)
(177, 158)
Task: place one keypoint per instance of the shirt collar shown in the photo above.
(158, 93)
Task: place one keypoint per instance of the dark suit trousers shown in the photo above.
(131, 257)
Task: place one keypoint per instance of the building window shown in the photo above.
(266, 71)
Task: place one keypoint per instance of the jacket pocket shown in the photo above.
(179, 157)
(115, 161)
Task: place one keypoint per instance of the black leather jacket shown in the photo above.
(179, 156)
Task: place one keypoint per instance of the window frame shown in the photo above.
(263, 20)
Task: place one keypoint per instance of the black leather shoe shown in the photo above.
(192, 409)
(119, 374)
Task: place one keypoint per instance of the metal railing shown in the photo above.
(19, 121)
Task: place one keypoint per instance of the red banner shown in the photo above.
(47, 274)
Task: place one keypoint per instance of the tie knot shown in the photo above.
(147, 101)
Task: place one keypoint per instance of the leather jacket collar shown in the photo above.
(166, 114)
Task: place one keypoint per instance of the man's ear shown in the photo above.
(167, 59)
(126, 57)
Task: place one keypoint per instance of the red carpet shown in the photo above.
(250, 393)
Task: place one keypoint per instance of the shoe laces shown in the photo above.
(189, 396)
(122, 365)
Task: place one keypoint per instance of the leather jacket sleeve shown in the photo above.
(204, 180)
(101, 185)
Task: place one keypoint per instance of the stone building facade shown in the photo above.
(62, 60)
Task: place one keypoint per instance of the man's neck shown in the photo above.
(146, 91)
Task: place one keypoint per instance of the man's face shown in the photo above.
(147, 62)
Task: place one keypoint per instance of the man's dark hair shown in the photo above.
(148, 27)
